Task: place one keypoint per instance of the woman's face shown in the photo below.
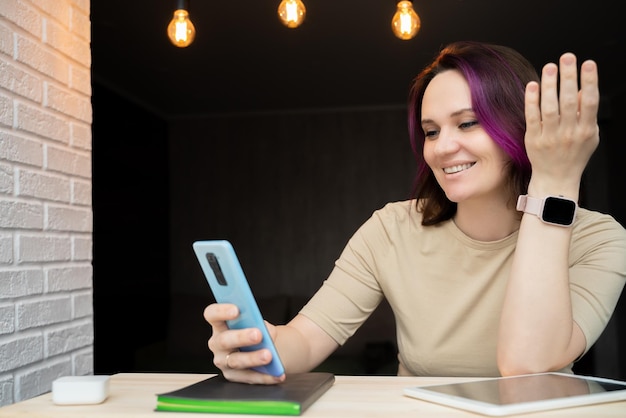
(467, 163)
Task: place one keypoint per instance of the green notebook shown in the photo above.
(218, 395)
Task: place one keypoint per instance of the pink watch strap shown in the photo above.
(529, 204)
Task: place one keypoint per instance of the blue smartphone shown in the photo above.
(228, 283)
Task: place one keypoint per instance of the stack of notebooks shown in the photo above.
(218, 395)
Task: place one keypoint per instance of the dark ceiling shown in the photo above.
(344, 55)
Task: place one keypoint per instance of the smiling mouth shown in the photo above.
(457, 168)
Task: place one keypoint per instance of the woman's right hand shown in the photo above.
(225, 344)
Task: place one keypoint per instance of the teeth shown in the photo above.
(457, 168)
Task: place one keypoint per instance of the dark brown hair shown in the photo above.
(497, 78)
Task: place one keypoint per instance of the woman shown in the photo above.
(482, 282)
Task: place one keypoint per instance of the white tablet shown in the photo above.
(519, 394)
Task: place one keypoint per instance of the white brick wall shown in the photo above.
(46, 304)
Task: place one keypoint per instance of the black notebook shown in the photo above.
(218, 395)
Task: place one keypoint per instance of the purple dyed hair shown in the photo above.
(497, 77)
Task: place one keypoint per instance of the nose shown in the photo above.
(446, 142)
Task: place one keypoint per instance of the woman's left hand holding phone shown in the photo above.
(225, 344)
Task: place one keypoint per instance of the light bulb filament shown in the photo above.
(181, 31)
(405, 22)
(292, 12)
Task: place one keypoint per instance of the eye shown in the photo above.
(469, 124)
(430, 133)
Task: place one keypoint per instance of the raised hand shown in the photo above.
(561, 126)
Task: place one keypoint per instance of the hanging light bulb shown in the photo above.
(405, 23)
(291, 13)
(180, 30)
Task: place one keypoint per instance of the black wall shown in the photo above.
(131, 218)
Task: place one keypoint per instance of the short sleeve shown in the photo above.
(351, 292)
(597, 272)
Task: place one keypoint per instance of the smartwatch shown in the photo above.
(553, 210)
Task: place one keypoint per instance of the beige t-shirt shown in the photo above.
(446, 289)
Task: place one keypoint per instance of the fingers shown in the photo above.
(238, 366)
(561, 124)
(217, 314)
(568, 95)
(549, 97)
(559, 103)
(589, 93)
(226, 343)
(223, 340)
(532, 110)
(242, 360)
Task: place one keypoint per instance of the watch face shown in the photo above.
(558, 211)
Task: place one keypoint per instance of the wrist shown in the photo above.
(540, 189)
